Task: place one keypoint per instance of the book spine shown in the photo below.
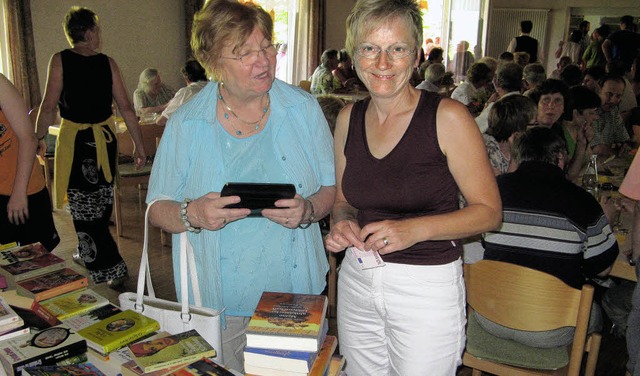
(59, 290)
(120, 342)
(38, 272)
(39, 310)
(183, 360)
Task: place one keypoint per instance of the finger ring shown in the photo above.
(224, 221)
(286, 221)
(385, 241)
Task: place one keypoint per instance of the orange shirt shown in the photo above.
(9, 162)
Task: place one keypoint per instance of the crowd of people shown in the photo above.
(415, 171)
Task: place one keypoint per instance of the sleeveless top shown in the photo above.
(9, 162)
(529, 45)
(87, 95)
(413, 180)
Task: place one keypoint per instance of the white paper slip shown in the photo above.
(367, 259)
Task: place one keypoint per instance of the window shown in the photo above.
(5, 52)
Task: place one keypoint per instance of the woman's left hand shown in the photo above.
(388, 236)
(18, 209)
(293, 212)
(140, 158)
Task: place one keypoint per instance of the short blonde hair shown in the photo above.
(225, 22)
(367, 15)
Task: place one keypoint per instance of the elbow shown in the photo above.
(495, 220)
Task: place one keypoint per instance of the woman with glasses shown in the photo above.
(244, 126)
(152, 95)
(402, 157)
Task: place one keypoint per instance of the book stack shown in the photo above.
(52, 284)
(23, 262)
(164, 355)
(287, 336)
(11, 324)
(67, 305)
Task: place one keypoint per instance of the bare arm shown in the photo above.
(130, 119)
(462, 144)
(606, 49)
(49, 106)
(15, 110)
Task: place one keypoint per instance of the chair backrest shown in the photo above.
(526, 299)
(305, 85)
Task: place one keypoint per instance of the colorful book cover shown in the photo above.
(52, 284)
(118, 330)
(319, 368)
(25, 269)
(131, 368)
(97, 314)
(9, 319)
(86, 369)
(12, 253)
(181, 348)
(203, 366)
(73, 303)
(287, 321)
(46, 347)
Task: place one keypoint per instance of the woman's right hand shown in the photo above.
(209, 212)
(343, 234)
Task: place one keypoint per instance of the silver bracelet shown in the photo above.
(311, 217)
(185, 220)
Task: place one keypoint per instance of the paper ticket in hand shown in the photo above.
(367, 259)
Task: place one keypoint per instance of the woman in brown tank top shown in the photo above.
(401, 159)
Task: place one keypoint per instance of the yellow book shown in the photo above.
(73, 303)
(118, 331)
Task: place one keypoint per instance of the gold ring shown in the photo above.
(385, 241)
(224, 221)
(286, 221)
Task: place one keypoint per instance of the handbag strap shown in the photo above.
(187, 266)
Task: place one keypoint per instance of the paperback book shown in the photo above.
(73, 303)
(203, 366)
(9, 319)
(182, 348)
(287, 321)
(12, 253)
(319, 368)
(25, 269)
(86, 369)
(286, 360)
(118, 331)
(47, 286)
(47, 347)
(97, 314)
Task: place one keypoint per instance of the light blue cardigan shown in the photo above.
(186, 166)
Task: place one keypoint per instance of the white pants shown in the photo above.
(401, 319)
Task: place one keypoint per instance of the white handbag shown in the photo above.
(175, 317)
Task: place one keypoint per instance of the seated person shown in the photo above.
(508, 117)
(609, 130)
(551, 225)
(432, 78)
(592, 77)
(434, 56)
(578, 131)
(345, 72)
(323, 81)
(478, 76)
(507, 81)
(532, 76)
(521, 58)
(196, 78)
(571, 75)
(505, 57)
(562, 63)
(152, 95)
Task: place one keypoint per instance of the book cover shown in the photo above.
(25, 269)
(46, 347)
(86, 369)
(118, 330)
(203, 366)
(286, 360)
(181, 348)
(9, 319)
(319, 368)
(131, 368)
(73, 303)
(97, 314)
(14, 253)
(52, 284)
(287, 321)
(44, 314)
(337, 365)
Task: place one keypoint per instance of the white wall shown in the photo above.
(136, 33)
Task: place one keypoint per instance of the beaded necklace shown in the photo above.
(255, 124)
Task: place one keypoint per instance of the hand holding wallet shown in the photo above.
(258, 196)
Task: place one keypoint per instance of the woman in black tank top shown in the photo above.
(402, 157)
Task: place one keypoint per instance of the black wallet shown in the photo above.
(258, 196)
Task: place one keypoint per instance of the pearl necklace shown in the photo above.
(255, 124)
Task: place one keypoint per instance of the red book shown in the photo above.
(21, 270)
(52, 284)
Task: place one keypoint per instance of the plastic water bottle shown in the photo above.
(590, 177)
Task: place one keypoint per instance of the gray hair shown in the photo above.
(147, 76)
(434, 73)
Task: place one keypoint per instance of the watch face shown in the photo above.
(50, 337)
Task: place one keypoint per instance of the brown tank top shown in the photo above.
(413, 180)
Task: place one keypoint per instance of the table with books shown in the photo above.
(51, 322)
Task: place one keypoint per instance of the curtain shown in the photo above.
(23, 56)
(190, 9)
(309, 41)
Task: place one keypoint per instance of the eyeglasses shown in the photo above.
(552, 102)
(395, 52)
(250, 57)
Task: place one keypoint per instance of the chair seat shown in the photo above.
(484, 345)
(129, 170)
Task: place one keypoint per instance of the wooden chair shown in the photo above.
(305, 85)
(529, 300)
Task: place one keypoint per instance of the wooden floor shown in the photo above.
(610, 363)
